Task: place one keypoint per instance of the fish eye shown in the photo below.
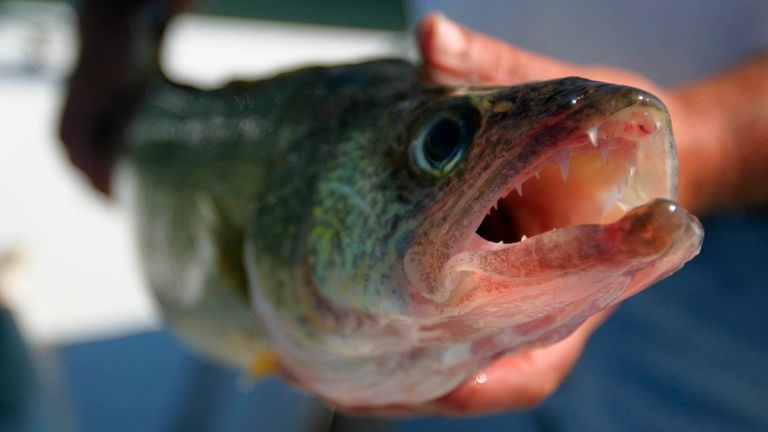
(442, 142)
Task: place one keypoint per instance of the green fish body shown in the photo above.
(386, 237)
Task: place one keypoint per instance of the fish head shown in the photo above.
(549, 161)
(563, 198)
(483, 221)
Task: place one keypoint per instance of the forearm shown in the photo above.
(722, 129)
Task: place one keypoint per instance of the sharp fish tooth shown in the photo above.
(538, 175)
(623, 205)
(592, 134)
(623, 185)
(604, 152)
(519, 189)
(632, 160)
(523, 238)
(613, 194)
(563, 162)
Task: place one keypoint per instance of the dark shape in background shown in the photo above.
(382, 15)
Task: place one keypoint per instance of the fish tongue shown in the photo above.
(577, 262)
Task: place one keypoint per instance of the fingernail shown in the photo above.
(448, 38)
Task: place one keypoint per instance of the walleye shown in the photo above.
(386, 237)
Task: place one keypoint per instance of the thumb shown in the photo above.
(475, 57)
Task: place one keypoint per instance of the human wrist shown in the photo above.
(699, 132)
(723, 138)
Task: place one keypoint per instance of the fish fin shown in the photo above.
(264, 362)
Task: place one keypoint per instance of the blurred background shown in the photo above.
(83, 347)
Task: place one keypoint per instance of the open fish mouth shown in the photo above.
(590, 222)
(595, 177)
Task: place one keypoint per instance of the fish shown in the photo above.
(379, 237)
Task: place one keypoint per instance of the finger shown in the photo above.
(476, 57)
(518, 381)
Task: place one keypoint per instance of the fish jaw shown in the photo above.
(538, 290)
